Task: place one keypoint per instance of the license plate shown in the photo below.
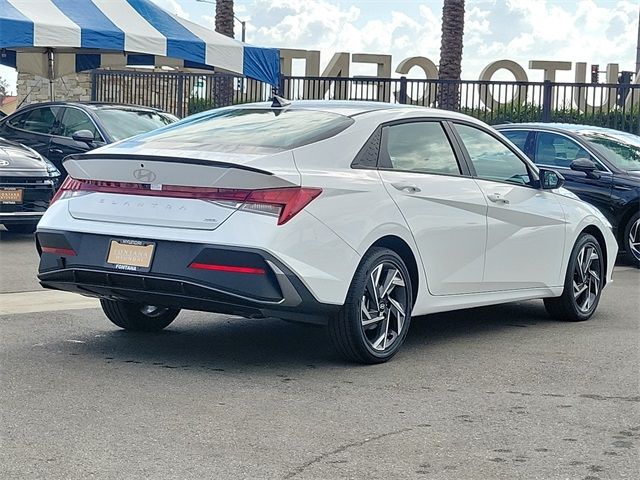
(10, 195)
(133, 255)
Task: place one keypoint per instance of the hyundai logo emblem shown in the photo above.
(144, 175)
(4, 163)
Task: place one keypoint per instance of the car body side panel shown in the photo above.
(579, 216)
(525, 238)
(354, 203)
(448, 220)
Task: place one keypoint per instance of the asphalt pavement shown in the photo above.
(489, 393)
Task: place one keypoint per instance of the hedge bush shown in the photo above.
(628, 120)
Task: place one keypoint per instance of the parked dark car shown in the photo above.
(58, 129)
(600, 165)
(27, 184)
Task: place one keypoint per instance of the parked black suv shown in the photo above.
(58, 129)
(600, 165)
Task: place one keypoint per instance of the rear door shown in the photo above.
(444, 208)
(526, 225)
(33, 127)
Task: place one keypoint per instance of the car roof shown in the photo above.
(96, 105)
(342, 107)
(351, 108)
(558, 127)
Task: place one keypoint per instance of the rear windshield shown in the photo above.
(125, 123)
(231, 129)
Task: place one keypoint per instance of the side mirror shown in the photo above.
(550, 179)
(587, 166)
(85, 136)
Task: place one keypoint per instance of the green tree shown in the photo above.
(451, 53)
(224, 17)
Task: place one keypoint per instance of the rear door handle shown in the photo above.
(56, 150)
(497, 198)
(406, 187)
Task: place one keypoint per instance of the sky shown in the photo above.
(595, 32)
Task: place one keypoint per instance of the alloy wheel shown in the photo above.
(634, 239)
(383, 307)
(587, 276)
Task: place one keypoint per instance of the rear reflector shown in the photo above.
(65, 252)
(284, 203)
(227, 268)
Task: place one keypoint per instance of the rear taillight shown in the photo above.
(284, 203)
(69, 184)
(63, 252)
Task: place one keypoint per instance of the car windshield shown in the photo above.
(621, 149)
(242, 129)
(125, 123)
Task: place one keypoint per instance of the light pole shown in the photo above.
(638, 47)
(244, 31)
(243, 23)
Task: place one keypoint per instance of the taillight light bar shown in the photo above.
(287, 201)
(227, 268)
(64, 252)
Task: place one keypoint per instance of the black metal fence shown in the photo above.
(179, 93)
(610, 105)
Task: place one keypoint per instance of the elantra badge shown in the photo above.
(144, 175)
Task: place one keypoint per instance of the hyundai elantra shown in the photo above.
(353, 215)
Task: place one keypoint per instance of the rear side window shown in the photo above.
(419, 147)
(234, 129)
(38, 120)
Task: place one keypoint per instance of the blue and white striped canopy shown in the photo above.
(87, 34)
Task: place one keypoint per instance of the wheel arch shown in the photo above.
(624, 219)
(599, 236)
(402, 248)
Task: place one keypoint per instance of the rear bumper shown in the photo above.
(20, 217)
(171, 282)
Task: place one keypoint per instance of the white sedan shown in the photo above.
(351, 214)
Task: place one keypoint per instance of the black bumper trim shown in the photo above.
(294, 303)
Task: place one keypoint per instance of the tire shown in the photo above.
(372, 331)
(21, 228)
(583, 282)
(136, 317)
(631, 240)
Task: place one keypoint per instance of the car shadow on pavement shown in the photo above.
(220, 343)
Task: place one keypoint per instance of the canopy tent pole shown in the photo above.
(50, 65)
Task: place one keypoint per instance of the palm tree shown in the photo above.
(224, 25)
(224, 17)
(451, 52)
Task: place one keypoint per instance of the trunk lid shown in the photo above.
(219, 170)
